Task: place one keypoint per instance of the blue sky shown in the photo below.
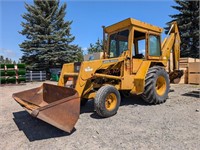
(87, 16)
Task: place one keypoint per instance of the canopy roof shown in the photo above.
(132, 22)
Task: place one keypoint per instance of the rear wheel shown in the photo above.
(107, 101)
(156, 85)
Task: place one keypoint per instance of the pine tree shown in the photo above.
(79, 54)
(10, 61)
(97, 47)
(7, 61)
(48, 38)
(19, 62)
(1, 59)
(188, 23)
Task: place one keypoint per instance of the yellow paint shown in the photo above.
(127, 82)
(132, 22)
(90, 95)
(133, 70)
(172, 42)
(139, 80)
(161, 86)
(136, 65)
(67, 68)
(107, 76)
(111, 102)
(71, 74)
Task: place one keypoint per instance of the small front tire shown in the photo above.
(107, 101)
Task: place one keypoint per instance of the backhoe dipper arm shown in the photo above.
(172, 42)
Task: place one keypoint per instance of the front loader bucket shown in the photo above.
(56, 105)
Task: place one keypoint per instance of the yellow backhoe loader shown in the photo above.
(134, 61)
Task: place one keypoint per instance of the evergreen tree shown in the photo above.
(97, 47)
(48, 38)
(6, 60)
(10, 61)
(1, 59)
(19, 62)
(79, 54)
(188, 23)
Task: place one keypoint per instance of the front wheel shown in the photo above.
(107, 101)
(156, 85)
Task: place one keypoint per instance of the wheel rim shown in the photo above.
(161, 86)
(111, 101)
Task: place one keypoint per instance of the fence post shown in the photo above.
(40, 75)
(31, 76)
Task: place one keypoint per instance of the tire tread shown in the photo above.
(99, 101)
(149, 95)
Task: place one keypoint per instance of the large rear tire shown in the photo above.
(107, 101)
(156, 85)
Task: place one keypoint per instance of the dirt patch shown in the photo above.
(137, 125)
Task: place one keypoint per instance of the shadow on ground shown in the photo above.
(192, 94)
(133, 100)
(35, 129)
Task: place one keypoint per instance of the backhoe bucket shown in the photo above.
(56, 105)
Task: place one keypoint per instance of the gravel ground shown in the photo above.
(137, 125)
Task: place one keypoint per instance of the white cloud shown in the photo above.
(11, 54)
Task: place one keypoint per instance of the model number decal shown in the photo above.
(88, 69)
(110, 61)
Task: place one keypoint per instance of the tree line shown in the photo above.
(7, 60)
(49, 41)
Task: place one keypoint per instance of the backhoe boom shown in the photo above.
(172, 42)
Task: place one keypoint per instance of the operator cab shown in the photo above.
(118, 43)
(138, 48)
(135, 39)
